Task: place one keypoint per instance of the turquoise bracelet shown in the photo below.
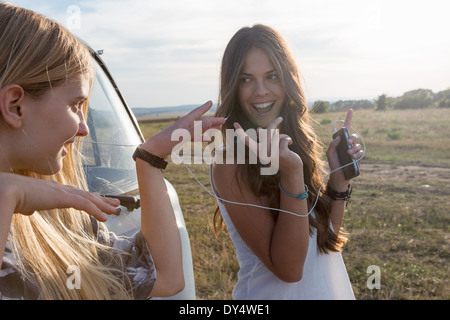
(299, 197)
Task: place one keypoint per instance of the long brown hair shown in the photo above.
(296, 124)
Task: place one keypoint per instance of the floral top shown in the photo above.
(138, 264)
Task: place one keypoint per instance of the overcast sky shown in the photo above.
(168, 53)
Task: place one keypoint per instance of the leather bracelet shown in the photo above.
(151, 159)
(346, 195)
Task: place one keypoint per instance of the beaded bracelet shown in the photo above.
(300, 196)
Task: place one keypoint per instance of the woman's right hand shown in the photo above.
(161, 144)
(273, 148)
(27, 195)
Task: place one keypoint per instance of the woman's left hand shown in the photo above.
(337, 180)
(27, 195)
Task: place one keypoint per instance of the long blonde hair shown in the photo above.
(296, 124)
(38, 54)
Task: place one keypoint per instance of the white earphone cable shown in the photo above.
(213, 193)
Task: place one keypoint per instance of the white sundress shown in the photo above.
(324, 275)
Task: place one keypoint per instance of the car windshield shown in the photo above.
(113, 137)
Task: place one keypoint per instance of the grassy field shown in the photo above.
(398, 219)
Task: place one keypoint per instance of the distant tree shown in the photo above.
(381, 103)
(320, 107)
(344, 105)
(415, 99)
(443, 98)
(444, 103)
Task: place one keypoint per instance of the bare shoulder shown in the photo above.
(226, 182)
(224, 171)
(224, 176)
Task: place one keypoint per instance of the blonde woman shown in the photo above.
(48, 223)
(281, 255)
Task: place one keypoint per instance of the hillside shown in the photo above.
(414, 99)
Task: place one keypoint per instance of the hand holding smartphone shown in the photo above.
(350, 165)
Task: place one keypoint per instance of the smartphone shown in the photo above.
(351, 168)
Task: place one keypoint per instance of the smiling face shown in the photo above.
(261, 94)
(53, 122)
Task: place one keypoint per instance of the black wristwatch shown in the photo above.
(153, 160)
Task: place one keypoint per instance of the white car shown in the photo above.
(110, 169)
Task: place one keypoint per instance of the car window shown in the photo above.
(107, 151)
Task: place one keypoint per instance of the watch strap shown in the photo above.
(151, 159)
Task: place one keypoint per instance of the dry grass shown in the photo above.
(398, 219)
